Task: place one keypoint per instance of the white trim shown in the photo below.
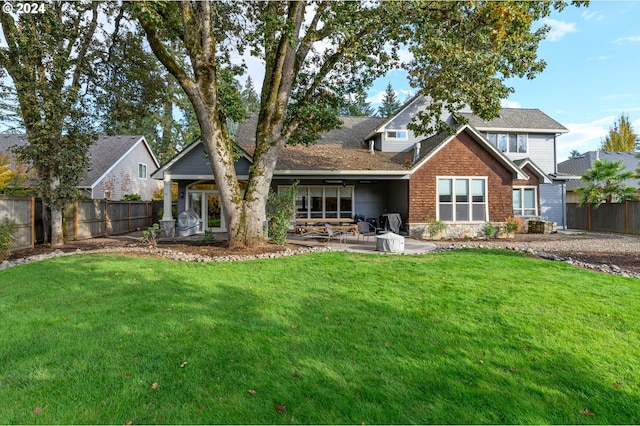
(356, 173)
(122, 157)
(324, 187)
(470, 203)
(542, 175)
(396, 138)
(497, 154)
(520, 130)
(508, 142)
(535, 198)
(159, 174)
(146, 174)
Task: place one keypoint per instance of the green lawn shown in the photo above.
(459, 337)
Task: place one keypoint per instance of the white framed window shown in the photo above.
(462, 199)
(323, 202)
(509, 142)
(142, 171)
(397, 134)
(525, 201)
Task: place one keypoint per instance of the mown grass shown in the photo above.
(460, 337)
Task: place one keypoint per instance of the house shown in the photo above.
(578, 166)
(119, 165)
(484, 171)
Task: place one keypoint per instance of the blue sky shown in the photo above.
(592, 74)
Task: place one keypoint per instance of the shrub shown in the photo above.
(6, 238)
(489, 230)
(131, 197)
(513, 225)
(280, 212)
(209, 237)
(150, 236)
(435, 227)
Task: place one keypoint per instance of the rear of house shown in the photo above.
(372, 167)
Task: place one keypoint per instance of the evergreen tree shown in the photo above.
(356, 105)
(574, 154)
(621, 137)
(390, 103)
(49, 56)
(250, 96)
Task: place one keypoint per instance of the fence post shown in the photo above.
(75, 220)
(33, 221)
(106, 217)
(589, 217)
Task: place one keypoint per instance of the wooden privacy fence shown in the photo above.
(623, 218)
(21, 211)
(98, 218)
(82, 220)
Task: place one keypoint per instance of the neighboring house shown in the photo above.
(484, 171)
(119, 165)
(578, 166)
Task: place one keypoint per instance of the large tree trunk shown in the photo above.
(57, 234)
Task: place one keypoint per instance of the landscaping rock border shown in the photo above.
(605, 268)
(186, 257)
(165, 253)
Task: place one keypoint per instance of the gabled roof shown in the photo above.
(104, 154)
(430, 146)
(339, 151)
(8, 142)
(526, 162)
(517, 120)
(577, 166)
(107, 152)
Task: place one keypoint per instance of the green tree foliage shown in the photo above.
(280, 209)
(6, 174)
(136, 95)
(356, 104)
(574, 154)
(48, 55)
(316, 53)
(250, 96)
(390, 103)
(621, 137)
(605, 182)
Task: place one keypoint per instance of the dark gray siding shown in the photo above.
(196, 163)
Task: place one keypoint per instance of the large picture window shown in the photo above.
(524, 201)
(323, 202)
(509, 142)
(462, 199)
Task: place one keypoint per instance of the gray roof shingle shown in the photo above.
(577, 166)
(103, 153)
(517, 119)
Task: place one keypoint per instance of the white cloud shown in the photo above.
(510, 104)
(559, 28)
(625, 39)
(583, 137)
(592, 14)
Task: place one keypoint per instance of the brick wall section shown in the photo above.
(462, 156)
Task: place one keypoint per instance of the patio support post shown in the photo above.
(168, 223)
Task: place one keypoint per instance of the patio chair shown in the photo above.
(373, 221)
(366, 230)
(334, 234)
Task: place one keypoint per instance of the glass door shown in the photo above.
(215, 220)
